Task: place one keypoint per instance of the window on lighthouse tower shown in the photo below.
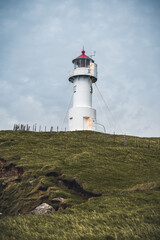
(87, 63)
(82, 63)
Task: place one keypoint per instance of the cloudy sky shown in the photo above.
(39, 39)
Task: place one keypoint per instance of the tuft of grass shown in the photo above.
(145, 186)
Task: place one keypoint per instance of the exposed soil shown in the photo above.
(10, 169)
(75, 186)
(52, 173)
(43, 188)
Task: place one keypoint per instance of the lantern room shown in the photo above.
(84, 65)
(82, 61)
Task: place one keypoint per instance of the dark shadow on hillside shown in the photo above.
(76, 187)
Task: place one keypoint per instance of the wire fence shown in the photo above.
(95, 137)
(35, 128)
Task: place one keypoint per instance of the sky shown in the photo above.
(40, 38)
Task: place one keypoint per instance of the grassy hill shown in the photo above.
(110, 186)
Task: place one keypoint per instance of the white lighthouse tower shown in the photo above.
(82, 116)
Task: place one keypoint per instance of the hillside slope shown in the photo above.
(110, 187)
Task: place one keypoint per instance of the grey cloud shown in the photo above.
(39, 39)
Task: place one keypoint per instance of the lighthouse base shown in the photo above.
(82, 118)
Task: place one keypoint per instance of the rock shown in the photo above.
(42, 209)
(11, 179)
(31, 182)
(57, 200)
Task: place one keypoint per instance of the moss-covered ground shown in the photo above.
(126, 173)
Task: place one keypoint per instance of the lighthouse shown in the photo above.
(82, 116)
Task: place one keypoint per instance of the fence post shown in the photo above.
(57, 128)
(114, 138)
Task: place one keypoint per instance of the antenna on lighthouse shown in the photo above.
(92, 55)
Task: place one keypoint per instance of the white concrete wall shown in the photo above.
(91, 71)
(82, 92)
(82, 118)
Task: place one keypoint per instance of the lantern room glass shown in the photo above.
(82, 63)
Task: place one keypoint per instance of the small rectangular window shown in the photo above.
(87, 63)
(79, 62)
(82, 62)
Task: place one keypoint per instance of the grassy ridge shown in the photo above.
(127, 176)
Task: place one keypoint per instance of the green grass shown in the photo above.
(127, 176)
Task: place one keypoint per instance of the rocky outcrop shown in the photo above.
(42, 209)
(10, 169)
